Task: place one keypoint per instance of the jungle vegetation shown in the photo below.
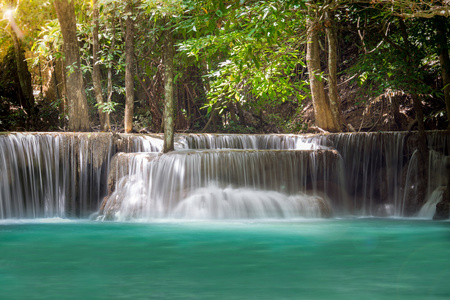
(242, 66)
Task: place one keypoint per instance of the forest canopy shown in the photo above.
(240, 66)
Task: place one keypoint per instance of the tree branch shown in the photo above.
(443, 11)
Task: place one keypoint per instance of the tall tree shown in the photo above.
(168, 13)
(109, 85)
(326, 109)
(333, 92)
(76, 94)
(169, 89)
(96, 75)
(129, 75)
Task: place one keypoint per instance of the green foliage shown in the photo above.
(29, 17)
(107, 107)
(172, 9)
(253, 49)
(49, 42)
(234, 127)
(143, 119)
(247, 52)
(393, 63)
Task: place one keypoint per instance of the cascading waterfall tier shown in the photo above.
(380, 168)
(65, 174)
(374, 167)
(52, 175)
(224, 184)
(253, 141)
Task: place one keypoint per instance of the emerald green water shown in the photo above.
(314, 259)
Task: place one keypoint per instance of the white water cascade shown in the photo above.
(216, 175)
(224, 184)
(52, 175)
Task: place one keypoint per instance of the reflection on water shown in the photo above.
(296, 259)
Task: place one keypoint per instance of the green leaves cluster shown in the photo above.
(393, 63)
(253, 49)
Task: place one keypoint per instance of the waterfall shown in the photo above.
(437, 182)
(216, 175)
(144, 143)
(225, 183)
(52, 175)
(256, 141)
(429, 208)
(374, 164)
(30, 166)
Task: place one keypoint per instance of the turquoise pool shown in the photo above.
(297, 259)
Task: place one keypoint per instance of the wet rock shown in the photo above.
(442, 211)
(443, 207)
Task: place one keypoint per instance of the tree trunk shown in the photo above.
(129, 60)
(232, 111)
(24, 80)
(96, 75)
(423, 156)
(395, 105)
(168, 92)
(211, 119)
(323, 115)
(333, 92)
(55, 81)
(240, 113)
(442, 46)
(109, 89)
(59, 68)
(76, 94)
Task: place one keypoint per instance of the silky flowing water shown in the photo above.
(364, 258)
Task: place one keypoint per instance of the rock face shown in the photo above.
(443, 207)
(442, 211)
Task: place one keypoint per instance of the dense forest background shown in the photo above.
(224, 66)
